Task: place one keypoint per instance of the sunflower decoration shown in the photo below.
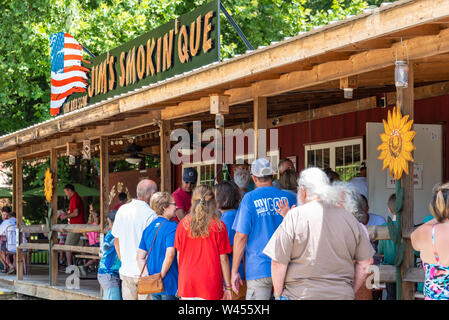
(48, 185)
(397, 143)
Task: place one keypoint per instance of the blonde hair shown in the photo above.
(159, 201)
(203, 209)
(439, 205)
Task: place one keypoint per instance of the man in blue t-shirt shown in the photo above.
(255, 223)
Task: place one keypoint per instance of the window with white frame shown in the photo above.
(344, 157)
(273, 156)
(206, 171)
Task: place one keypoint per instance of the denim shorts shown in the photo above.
(108, 281)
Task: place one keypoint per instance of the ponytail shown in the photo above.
(202, 211)
(439, 205)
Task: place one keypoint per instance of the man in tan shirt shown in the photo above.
(320, 250)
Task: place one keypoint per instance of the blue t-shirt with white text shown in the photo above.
(165, 239)
(257, 218)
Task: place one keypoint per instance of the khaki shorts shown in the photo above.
(259, 289)
(129, 289)
(73, 239)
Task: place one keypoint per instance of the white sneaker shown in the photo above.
(82, 270)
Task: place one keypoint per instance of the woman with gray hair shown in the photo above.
(319, 251)
(312, 184)
(353, 201)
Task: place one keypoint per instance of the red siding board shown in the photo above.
(293, 137)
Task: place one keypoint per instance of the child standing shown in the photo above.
(93, 237)
(108, 275)
(388, 249)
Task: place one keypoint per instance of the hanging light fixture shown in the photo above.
(133, 159)
(348, 93)
(401, 72)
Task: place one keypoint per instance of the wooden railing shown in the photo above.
(74, 228)
(381, 233)
(35, 228)
(64, 247)
(388, 273)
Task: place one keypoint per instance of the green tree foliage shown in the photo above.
(25, 28)
(100, 25)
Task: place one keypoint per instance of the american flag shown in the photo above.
(67, 73)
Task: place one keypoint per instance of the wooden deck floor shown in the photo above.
(36, 284)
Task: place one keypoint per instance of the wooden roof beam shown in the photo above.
(418, 48)
(368, 45)
(112, 128)
(423, 30)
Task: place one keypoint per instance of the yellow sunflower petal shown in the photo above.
(408, 136)
(398, 175)
(396, 119)
(403, 122)
(386, 127)
(383, 146)
(407, 127)
(390, 121)
(384, 137)
(404, 165)
(408, 146)
(383, 154)
(386, 162)
(407, 156)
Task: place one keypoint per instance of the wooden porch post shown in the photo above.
(165, 130)
(260, 124)
(54, 217)
(104, 180)
(219, 105)
(405, 100)
(18, 207)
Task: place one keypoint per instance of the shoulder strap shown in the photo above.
(433, 244)
(149, 251)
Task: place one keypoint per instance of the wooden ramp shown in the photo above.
(36, 284)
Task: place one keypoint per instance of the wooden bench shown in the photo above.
(85, 256)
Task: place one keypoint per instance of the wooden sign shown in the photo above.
(186, 43)
(86, 149)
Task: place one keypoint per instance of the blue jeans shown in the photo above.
(159, 296)
(114, 293)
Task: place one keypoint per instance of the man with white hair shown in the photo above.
(320, 250)
(130, 221)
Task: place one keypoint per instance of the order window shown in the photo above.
(344, 157)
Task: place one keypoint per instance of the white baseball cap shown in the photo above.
(261, 168)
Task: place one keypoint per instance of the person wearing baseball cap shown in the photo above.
(255, 222)
(183, 195)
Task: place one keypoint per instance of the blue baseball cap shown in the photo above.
(190, 175)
